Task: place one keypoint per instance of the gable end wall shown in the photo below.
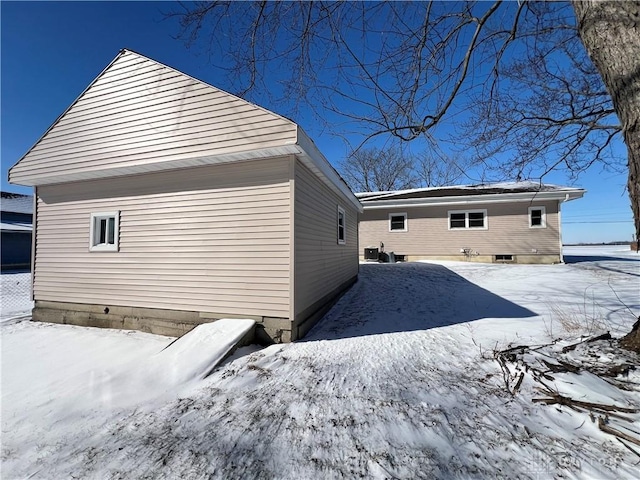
(139, 112)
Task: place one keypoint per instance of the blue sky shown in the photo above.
(50, 52)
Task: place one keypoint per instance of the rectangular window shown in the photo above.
(342, 235)
(104, 232)
(397, 222)
(457, 220)
(537, 217)
(504, 258)
(476, 220)
(468, 219)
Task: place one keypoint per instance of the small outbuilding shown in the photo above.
(501, 222)
(163, 202)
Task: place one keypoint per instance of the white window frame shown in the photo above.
(343, 240)
(543, 223)
(406, 225)
(94, 245)
(485, 219)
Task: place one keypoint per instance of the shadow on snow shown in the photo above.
(404, 297)
(592, 259)
(597, 262)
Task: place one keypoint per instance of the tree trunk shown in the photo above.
(610, 31)
(631, 341)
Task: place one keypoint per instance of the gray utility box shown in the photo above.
(371, 253)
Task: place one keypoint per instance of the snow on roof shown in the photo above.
(16, 203)
(15, 227)
(459, 190)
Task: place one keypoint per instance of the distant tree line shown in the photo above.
(376, 169)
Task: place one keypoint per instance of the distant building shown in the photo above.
(501, 222)
(16, 217)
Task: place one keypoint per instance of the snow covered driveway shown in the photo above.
(397, 381)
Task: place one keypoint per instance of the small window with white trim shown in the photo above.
(104, 232)
(537, 217)
(397, 222)
(468, 219)
(342, 234)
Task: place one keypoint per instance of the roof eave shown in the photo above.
(55, 122)
(317, 162)
(304, 149)
(559, 195)
(275, 151)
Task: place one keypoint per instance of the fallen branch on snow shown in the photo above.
(612, 431)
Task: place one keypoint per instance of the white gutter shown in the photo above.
(566, 199)
(318, 163)
(474, 199)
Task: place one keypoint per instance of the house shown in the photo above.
(16, 212)
(164, 202)
(501, 222)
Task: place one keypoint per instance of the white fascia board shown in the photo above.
(30, 184)
(163, 166)
(564, 195)
(318, 164)
(304, 149)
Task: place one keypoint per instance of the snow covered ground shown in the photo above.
(397, 381)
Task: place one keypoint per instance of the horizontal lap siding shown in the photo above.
(140, 112)
(218, 241)
(428, 232)
(321, 264)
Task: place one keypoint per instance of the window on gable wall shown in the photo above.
(468, 219)
(342, 235)
(104, 232)
(397, 222)
(537, 217)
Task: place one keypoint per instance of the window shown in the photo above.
(537, 217)
(457, 220)
(504, 258)
(342, 236)
(104, 232)
(467, 219)
(397, 222)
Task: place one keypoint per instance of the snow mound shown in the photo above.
(195, 354)
(178, 367)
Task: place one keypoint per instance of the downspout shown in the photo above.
(566, 198)
(292, 248)
(34, 220)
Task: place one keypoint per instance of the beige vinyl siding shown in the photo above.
(140, 112)
(321, 264)
(428, 231)
(209, 239)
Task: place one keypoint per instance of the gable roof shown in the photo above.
(139, 116)
(468, 194)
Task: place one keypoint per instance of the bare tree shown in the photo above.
(375, 170)
(546, 107)
(372, 169)
(610, 32)
(401, 69)
(437, 171)
(391, 67)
